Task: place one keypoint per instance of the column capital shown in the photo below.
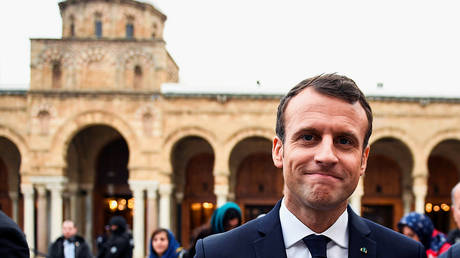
(13, 195)
(165, 189)
(152, 191)
(87, 187)
(55, 187)
(179, 197)
(72, 187)
(41, 190)
(143, 184)
(221, 189)
(27, 189)
(48, 179)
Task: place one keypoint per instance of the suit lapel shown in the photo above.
(360, 243)
(271, 242)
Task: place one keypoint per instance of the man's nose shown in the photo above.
(326, 153)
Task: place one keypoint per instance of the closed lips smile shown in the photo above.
(320, 174)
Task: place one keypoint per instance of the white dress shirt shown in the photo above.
(69, 249)
(294, 231)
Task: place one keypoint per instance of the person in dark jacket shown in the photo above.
(12, 240)
(69, 244)
(120, 242)
(452, 252)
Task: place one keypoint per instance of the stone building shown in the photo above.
(100, 133)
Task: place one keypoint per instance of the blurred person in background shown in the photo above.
(454, 235)
(69, 245)
(163, 244)
(224, 218)
(120, 242)
(420, 228)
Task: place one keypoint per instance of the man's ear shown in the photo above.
(364, 160)
(277, 152)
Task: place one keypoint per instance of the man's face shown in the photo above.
(68, 229)
(322, 156)
(456, 207)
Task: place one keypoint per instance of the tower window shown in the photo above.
(129, 27)
(72, 26)
(129, 30)
(98, 25)
(137, 77)
(56, 81)
(154, 31)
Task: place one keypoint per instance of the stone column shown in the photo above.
(89, 215)
(14, 205)
(221, 192)
(355, 198)
(138, 220)
(28, 193)
(407, 201)
(56, 209)
(42, 219)
(420, 190)
(74, 209)
(152, 211)
(165, 191)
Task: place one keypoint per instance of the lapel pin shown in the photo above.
(363, 250)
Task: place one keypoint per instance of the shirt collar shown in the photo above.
(294, 230)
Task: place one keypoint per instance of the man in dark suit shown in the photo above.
(321, 143)
(12, 240)
(452, 252)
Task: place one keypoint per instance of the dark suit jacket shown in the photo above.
(452, 252)
(12, 240)
(263, 238)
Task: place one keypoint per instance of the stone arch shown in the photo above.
(136, 56)
(223, 161)
(443, 168)
(238, 136)
(51, 55)
(254, 181)
(20, 142)
(438, 137)
(405, 138)
(138, 60)
(180, 133)
(388, 181)
(72, 126)
(397, 133)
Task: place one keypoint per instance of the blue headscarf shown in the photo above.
(423, 227)
(173, 250)
(217, 220)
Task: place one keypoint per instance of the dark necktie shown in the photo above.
(317, 245)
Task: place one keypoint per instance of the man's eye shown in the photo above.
(307, 137)
(344, 140)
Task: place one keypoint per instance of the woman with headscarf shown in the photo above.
(224, 218)
(420, 228)
(163, 244)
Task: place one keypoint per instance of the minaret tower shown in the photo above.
(106, 45)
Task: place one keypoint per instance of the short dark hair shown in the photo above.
(333, 85)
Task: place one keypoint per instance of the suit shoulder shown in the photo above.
(233, 243)
(388, 238)
(243, 233)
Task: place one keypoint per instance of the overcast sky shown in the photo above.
(412, 47)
